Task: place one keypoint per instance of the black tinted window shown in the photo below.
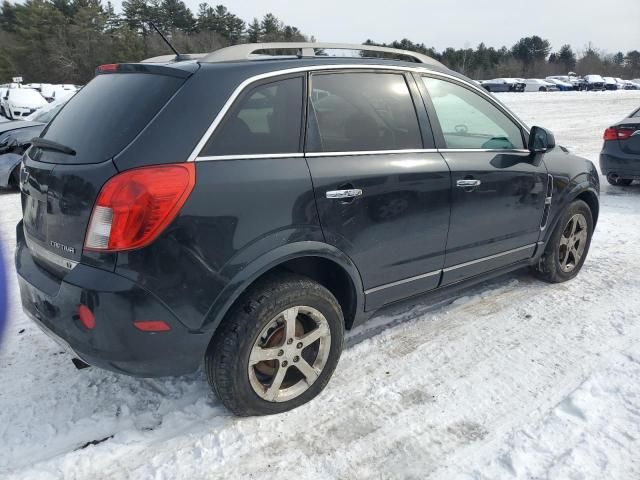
(107, 114)
(267, 119)
(362, 111)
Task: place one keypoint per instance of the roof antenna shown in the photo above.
(178, 56)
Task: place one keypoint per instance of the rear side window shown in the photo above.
(362, 112)
(267, 119)
(469, 121)
(107, 114)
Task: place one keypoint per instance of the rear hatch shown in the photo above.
(63, 173)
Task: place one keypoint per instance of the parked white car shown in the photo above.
(17, 103)
(57, 92)
(537, 85)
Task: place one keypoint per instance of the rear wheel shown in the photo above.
(568, 246)
(277, 348)
(614, 179)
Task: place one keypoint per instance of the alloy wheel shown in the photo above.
(289, 354)
(573, 242)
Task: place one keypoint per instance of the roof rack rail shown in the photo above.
(250, 51)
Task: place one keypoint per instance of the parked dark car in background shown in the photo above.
(299, 196)
(15, 138)
(504, 85)
(620, 155)
(594, 82)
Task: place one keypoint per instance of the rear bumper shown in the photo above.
(623, 165)
(115, 343)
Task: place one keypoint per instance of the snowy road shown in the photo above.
(515, 379)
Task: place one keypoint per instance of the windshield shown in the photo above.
(46, 113)
(26, 95)
(43, 116)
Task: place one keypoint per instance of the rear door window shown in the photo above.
(266, 120)
(107, 114)
(362, 112)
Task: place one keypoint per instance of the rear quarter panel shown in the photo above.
(239, 211)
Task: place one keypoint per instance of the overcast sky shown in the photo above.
(611, 25)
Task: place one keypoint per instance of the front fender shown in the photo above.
(565, 192)
(271, 259)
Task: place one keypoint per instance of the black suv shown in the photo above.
(246, 209)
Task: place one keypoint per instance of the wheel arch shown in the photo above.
(585, 192)
(321, 262)
(590, 198)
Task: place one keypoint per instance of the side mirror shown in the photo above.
(540, 140)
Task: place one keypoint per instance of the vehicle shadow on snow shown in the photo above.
(616, 191)
(150, 408)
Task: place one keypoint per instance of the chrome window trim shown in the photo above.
(401, 282)
(329, 68)
(370, 152)
(52, 257)
(490, 257)
(497, 150)
(248, 156)
(251, 156)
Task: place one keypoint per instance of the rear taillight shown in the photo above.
(613, 133)
(135, 206)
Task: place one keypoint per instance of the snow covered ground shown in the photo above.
(513, 379)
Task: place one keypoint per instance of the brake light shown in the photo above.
(613, 133)
(135, 206)
(107, 68)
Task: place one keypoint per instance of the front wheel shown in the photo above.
(277, 348)
(568, 246)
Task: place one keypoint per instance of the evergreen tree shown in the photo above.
(254, 31)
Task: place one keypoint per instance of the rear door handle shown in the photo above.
(468, 183)
(342, 194)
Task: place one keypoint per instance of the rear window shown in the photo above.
(107, 114)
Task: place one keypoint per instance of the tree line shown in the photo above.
(62, 41)
(529, 57)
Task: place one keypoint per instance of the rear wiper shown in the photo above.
(51, 145)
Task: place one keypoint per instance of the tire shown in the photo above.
(542, 89)
(256, 327)
(617, 181)
(557, 265)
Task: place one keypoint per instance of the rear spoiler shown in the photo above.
(180, 70)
